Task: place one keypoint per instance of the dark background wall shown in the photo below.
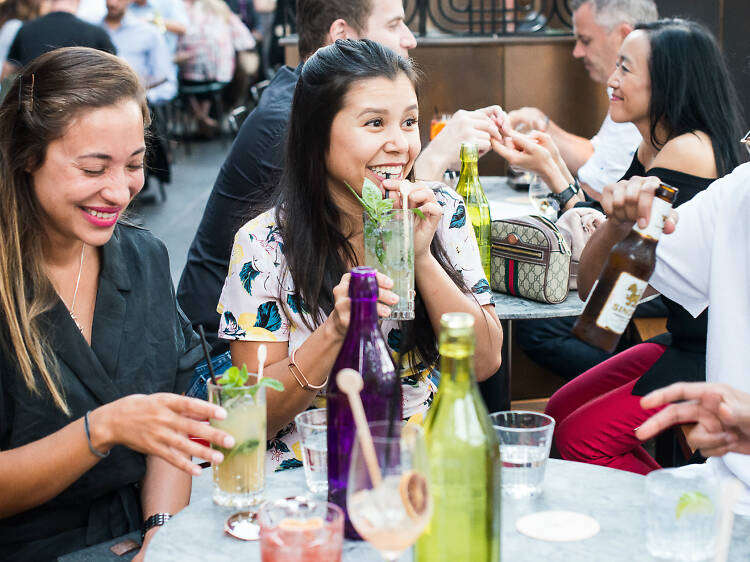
(729, 20)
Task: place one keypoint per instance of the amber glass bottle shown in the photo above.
(624, 278)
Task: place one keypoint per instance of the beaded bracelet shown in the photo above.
(88, 438)
(297, 374)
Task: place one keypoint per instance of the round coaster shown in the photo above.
(558, 526)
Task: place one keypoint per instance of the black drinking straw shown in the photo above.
(204, 343)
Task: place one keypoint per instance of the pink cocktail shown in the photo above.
(298, 530)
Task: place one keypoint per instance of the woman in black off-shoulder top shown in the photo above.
(672, 83)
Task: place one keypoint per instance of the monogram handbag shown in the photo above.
(530, 259)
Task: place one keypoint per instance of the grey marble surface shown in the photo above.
(508, 307)
(613, 497)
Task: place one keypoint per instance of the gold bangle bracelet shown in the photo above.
(297, 373)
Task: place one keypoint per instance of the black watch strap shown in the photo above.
(155, 520)
(567, 194)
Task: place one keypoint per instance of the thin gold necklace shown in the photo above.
(72, 308)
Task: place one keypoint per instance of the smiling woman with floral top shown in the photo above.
(354, 116)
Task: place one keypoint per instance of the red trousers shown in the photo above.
(596, 414)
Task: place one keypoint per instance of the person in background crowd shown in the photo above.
(168, 16)
(354, 111)
(672, 82)
(93, 432)
(265, 11)
(600, 27)
(207, 52)
(58, 28)
(253, 166)
(144, 48)
(12, 15)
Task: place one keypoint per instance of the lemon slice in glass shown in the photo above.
(694, 503)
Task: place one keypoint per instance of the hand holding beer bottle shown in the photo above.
(625, 275)
(630, 201)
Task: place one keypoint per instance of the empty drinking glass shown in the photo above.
(312, 429)
(525, 439)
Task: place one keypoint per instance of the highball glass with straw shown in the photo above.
(238, 479)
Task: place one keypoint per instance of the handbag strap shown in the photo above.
(563, 245)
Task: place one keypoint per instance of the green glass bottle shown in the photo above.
(477, 206)
(464, 457)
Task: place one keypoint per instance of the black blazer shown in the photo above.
(141, 343)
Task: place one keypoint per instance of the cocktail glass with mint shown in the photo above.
(389, 245)
(239, 478)
(389, 248)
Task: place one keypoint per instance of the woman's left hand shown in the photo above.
(421, 197)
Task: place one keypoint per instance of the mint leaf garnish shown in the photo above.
(373, 198)
(373, 203)
(277, 385)
(235, 379)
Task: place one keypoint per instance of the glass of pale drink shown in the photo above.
(682, 514)
(525, 440)
(238, 479)
(389, 248)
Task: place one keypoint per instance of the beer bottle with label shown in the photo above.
(624, 278)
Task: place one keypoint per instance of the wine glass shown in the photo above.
(538, 194)
(391, 515)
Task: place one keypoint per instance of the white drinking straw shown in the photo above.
(262, 354)
(731, 488)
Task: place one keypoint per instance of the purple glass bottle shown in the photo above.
(365, 350)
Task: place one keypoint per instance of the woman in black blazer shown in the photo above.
(95, 351)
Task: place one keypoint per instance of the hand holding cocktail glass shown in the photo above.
(418, 196)
(338, 320)
(158, 424)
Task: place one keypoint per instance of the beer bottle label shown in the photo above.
(660, 211)
(621, 303)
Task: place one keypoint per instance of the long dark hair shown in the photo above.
(316, 251)
(691, 89)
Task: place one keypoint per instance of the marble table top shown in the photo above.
(616, 499)
(508, 307)
(505, 202)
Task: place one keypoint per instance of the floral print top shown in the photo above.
(257, 304)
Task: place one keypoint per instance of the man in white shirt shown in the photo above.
(704, 262)
(600, 27)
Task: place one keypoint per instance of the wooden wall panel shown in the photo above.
(548, 77)
(460, 77)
